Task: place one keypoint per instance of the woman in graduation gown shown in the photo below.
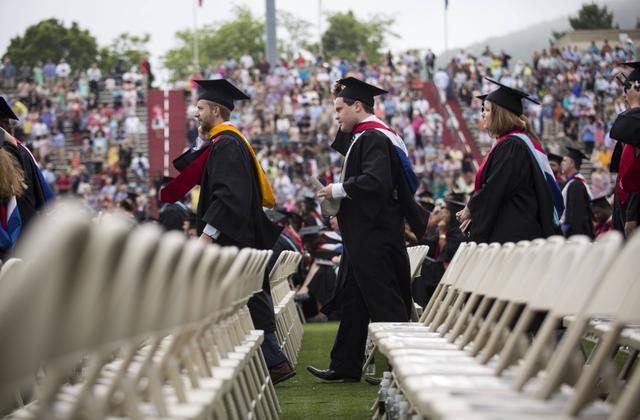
(37, 193)
(516, 196)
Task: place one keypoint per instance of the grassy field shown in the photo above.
(306, 397)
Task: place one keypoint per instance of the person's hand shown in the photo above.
(629, 227)
(325, 192)
(463, 215)
(410, 236)
(206, 239)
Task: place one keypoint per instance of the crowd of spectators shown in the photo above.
(290, 119)
(579, 97)
(85, 145)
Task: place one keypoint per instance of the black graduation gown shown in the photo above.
(374, 270)
(514, 202)
(626, 129)
(231, 201)
(230, 196)
(33, 199)
(577, 213)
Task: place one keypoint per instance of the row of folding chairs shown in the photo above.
(289, 327)
(112, 320)
(417, 255)
(489, 344)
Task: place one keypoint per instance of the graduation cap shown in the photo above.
(426, 193)
(428, 206)
(334, 236)
(601, 202)
(457, 196)
(275, 216)
(635, 73)
(220, 91)
(6, 113)
(426, 199)
(506, 97)
(358, 90)
(454, 206)
(309, 233)
(554, 158)
(310, 202)
(576, 155)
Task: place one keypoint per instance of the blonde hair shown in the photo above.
(11, 177)
(504, 121)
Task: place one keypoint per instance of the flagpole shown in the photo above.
(196, 52)
(320, 27)
(446, 32)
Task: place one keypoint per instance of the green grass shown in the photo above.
(307, 397)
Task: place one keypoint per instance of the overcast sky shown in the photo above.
(419, 23)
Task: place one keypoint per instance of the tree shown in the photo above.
(243, 35)
(592, 16)
(293, 34)
(638, 23)
(129, 48)
(50, 39)
(346, 36)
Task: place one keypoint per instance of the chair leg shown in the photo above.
(486, 328)
(566, 351)
(470, 330)
(494, 344)
(585, 389)
(530, 365)
(628, 406)
(463, 318)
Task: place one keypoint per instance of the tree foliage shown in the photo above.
(346, 36)
(129, 48)
(244, 34)
(592, 16)
(51, 39)
(293, 34)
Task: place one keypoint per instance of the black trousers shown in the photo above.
(356, 297)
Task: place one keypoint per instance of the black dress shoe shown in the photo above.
(373, 381)
(330, 375)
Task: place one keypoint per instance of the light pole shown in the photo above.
(272, 52)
